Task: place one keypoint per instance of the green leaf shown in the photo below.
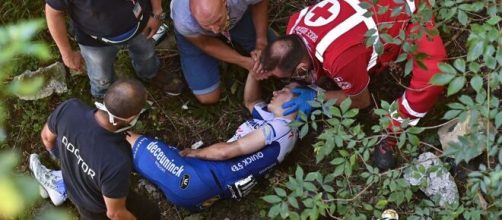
(311, 176)
(467, 100)
(328, 188)
(370, 39)
(379, 47)
(456, 85)
(386, 37)
(380, 111)
(337, 161)
(451, 114)
(498, 120)
(408, 67)
(338, 170)
(274, 211)
(280, 192)
(477, 83)
(397, 197)
(401, 57)
(344, 153)
(313, 124)
(456, 105)
(449, 3)
(415, 130)
(293, 202)
(490, 62)
(500, 156)
(396, 11)
(475, 51)
(299, 173)
(494, 20)
(336, 112)
(351, 113)
(413, 139)
(383, 9)
(367, 207)
(441, 79)
(459, 65)
(381, 204)
(304, 130)
(474, 67)
(447, 68)
(310, 187)
(462, 17)
(345, 105)
(272, 199)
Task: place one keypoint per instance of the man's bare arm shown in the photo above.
(260, 21)
(48, 138)
(57, 27)
(252, 92)
(116, 209)
(153, 24)
(250, 143)
(219, 50)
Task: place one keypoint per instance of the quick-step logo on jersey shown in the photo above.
(75, 151)
(185, 181)
(163, 162)
(247, 161)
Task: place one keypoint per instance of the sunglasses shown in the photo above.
(301, 75)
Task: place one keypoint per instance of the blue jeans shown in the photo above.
(200, 69)
(99, 62)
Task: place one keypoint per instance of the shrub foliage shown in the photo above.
(347, 186)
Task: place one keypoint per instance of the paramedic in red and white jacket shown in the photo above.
(328, 39)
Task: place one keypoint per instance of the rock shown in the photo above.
(150, 189)
(433, 179)
(54, 81)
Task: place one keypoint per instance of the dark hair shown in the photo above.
(125, 98)
(285, 56)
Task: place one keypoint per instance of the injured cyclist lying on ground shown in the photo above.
(196, 178)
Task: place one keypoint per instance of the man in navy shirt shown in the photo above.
(101, 28)
(95, 156)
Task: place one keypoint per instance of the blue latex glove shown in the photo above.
(300, 102)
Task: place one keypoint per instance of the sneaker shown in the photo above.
(50, 180)
(383, 155)
(169, 82)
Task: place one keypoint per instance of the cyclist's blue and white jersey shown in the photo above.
(195, 183)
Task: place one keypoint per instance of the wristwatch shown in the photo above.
(160, 16)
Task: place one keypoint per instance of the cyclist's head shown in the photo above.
(279, 98)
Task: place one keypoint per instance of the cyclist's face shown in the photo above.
(280, 97)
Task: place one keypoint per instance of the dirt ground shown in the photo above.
(181, 127)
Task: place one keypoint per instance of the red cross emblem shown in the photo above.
(321, 12)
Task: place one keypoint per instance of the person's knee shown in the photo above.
(209, 98)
